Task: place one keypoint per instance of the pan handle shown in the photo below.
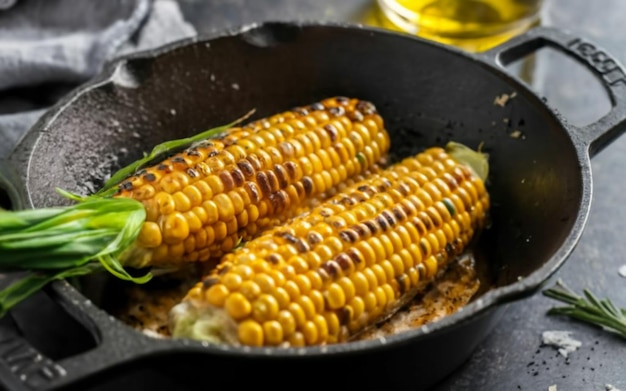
(24, 368)
(608, 70)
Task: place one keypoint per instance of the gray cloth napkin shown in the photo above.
(48, 47)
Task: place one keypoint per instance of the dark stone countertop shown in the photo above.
(512, 358)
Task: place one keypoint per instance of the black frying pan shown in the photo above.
(427, 93)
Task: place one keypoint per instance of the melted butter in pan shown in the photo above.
(146, 307)
(454, 289)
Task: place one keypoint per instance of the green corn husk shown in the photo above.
(88, 236)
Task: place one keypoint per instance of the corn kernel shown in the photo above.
(310, 332)
(165, 203)
(150, 235)
(296, 339)
(287, 321)
(264, 308)
(335, 297)
(250, 289)
(217, 295)
(250, 333)
(297, 313)
(273, 332)
(237, 306)
(348, 288)
(349, 260)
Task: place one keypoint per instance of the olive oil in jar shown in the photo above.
(474, 25)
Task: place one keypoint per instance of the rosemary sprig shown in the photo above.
(588, 308)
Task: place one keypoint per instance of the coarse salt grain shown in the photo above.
(562, 341)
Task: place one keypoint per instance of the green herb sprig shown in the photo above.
(61, 242)
(588, 308)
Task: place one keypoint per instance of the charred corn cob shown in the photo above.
(348, 264)
(202, 202)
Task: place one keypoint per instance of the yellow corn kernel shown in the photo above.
(217, 295)
(237, 306)
(250, 333)
(174, 228)
(255, 176)
(369, 247)
(336, 297)
(150, 235)
(273, 332)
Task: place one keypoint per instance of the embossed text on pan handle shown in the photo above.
(607, 67)
(597, 135)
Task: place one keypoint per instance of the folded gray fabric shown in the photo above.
(48, 47)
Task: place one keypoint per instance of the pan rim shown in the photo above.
(488, 301)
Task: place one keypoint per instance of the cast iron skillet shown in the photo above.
(427, 93)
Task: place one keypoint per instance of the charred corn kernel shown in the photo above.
(249, 179)
(371, 263)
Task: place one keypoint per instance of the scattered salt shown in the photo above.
(562, 341)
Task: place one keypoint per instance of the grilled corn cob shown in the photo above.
(202, 202)
(348, 264)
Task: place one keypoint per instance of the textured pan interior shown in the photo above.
(427, 96)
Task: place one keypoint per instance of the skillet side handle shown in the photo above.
(606, 68)
(24, 368)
